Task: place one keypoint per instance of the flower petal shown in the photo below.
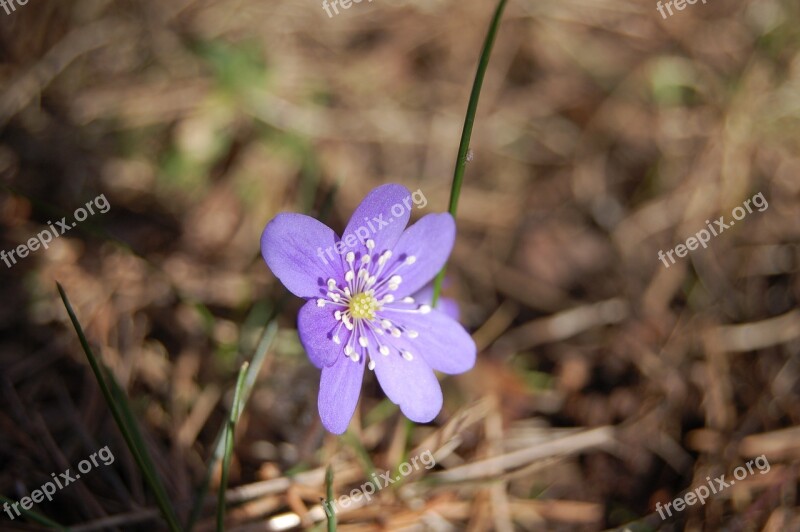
(430, 242)
(449, 307)
(293, 245)
(339, 389)
(410, 384)
(446, 305)
(316, 327)
(382, 216)
(442, 342)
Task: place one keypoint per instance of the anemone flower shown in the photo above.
(360, 311)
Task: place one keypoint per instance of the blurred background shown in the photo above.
(606, 382)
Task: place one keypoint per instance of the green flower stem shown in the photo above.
(469, 121)
(329, 504)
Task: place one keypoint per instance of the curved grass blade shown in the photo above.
(264, 345)
(469, 121)
(125, 420)
(229, 433)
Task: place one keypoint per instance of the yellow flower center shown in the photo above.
(363, 306)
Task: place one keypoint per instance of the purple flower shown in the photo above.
(360, 312)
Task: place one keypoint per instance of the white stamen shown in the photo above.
(348, 350)
(407, 355)
(411, 259)
(412, 334)
(370, 244)
(396, 333)
(424, 309)
(336, 339)
(371, 365)
(349, 276)
(408, 300)
(386, 324)
(365, 259)
(337, 315)
(388, 298)
(362, 340)
(384, 350)
(331, 284)
(350, 257)
(320, 303)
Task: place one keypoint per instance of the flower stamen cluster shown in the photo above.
(360, 304)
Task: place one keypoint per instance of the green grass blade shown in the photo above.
(259, 357)
(126, 422)
(236, 410)
(469, 121)
(36, 517)
(329, 500)
(121, 400)
(353, 441)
